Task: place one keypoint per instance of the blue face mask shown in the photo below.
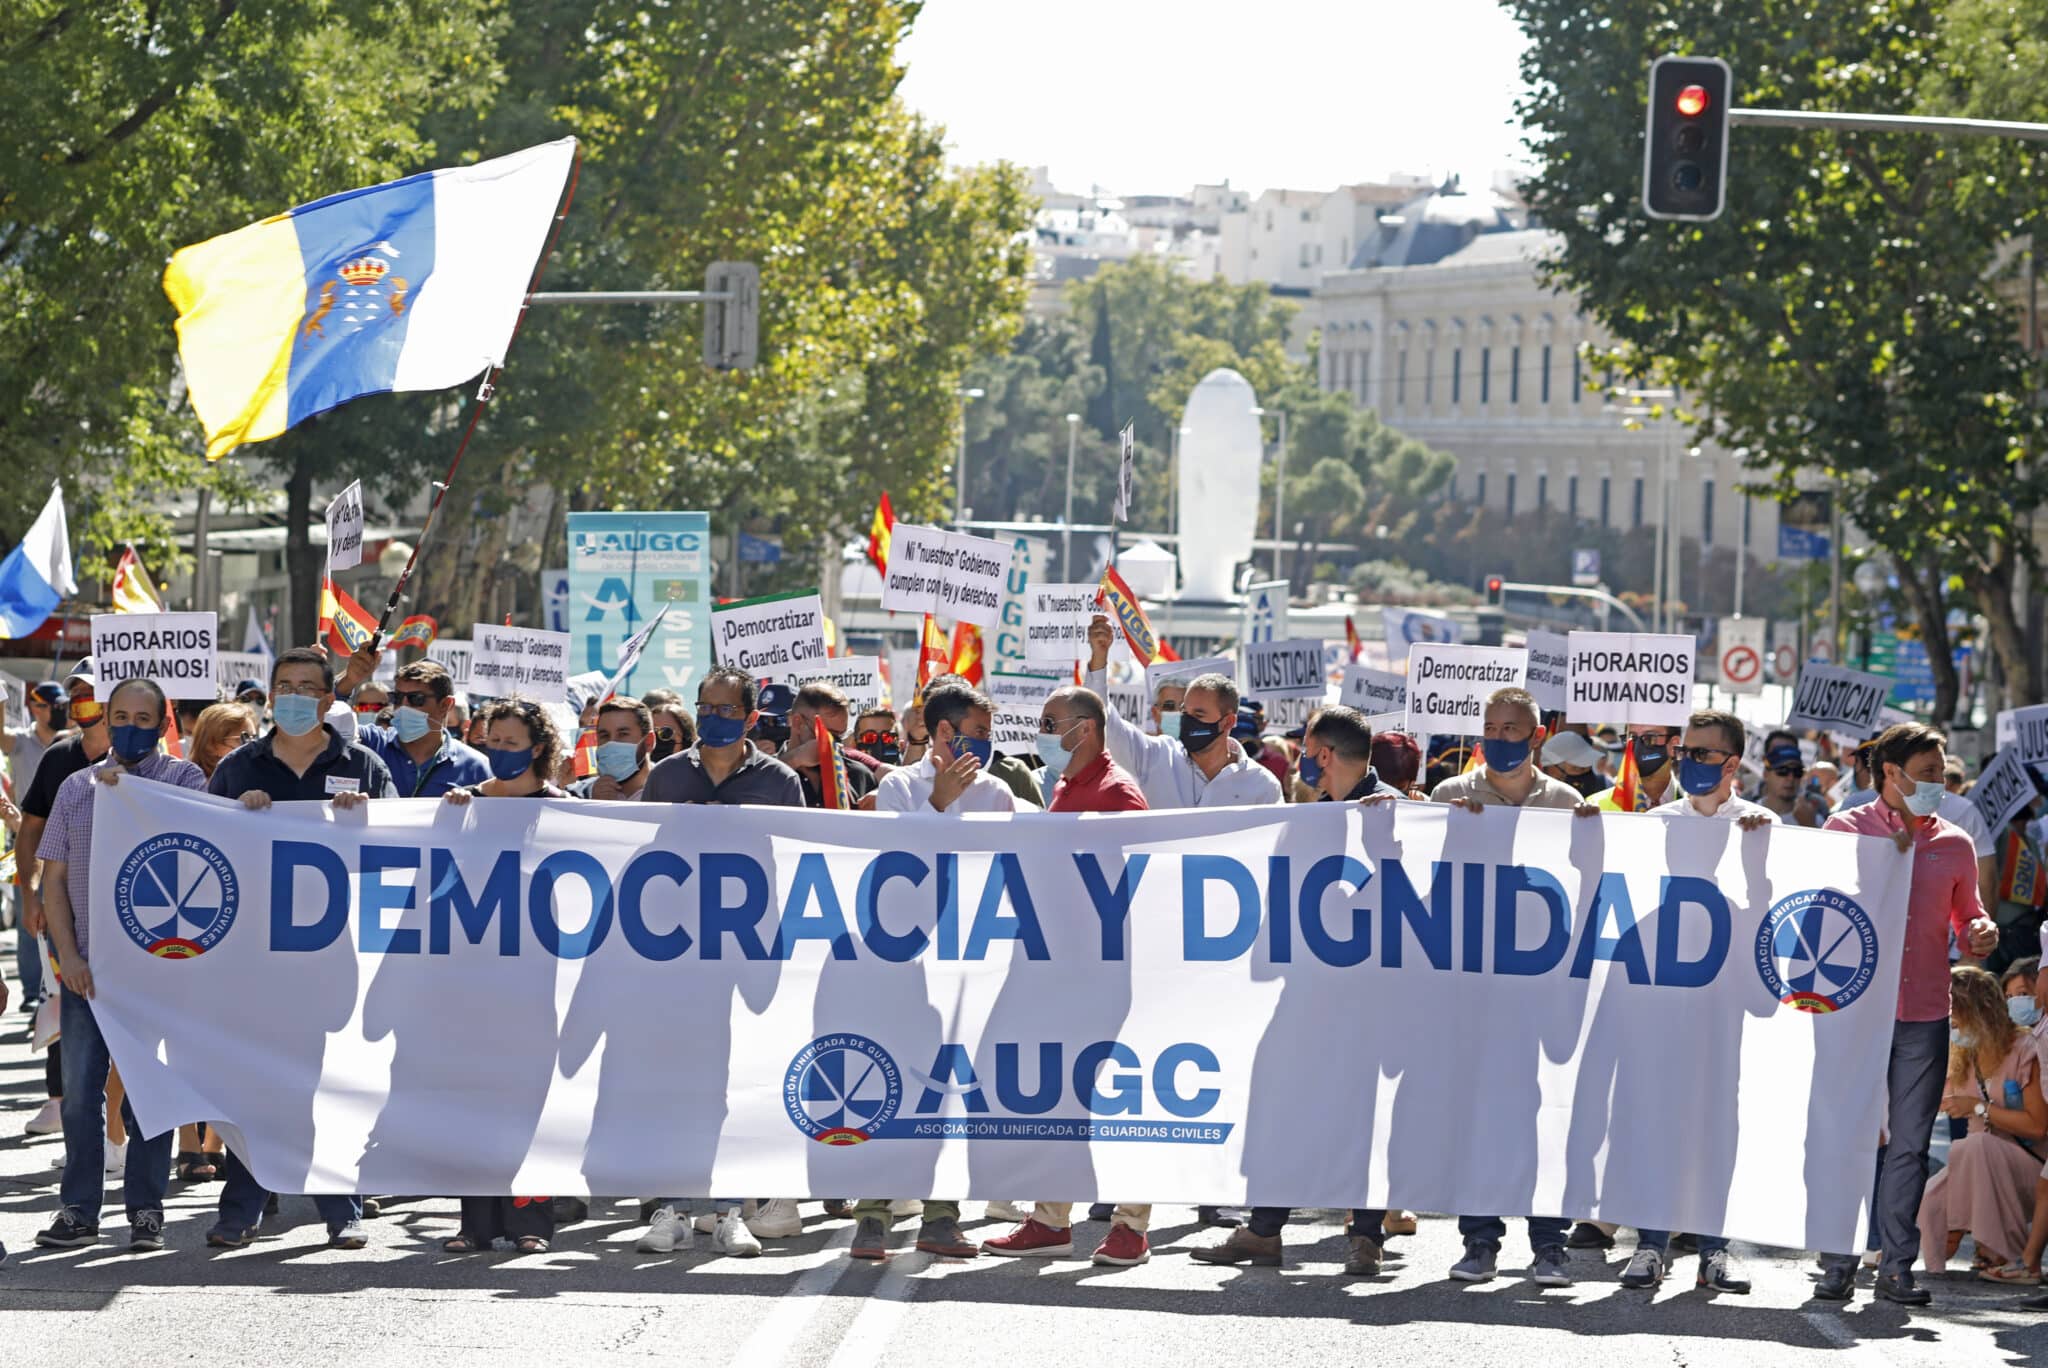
(1169, 724)
(510, 764)
(714, 730)
(1924, 797)
(980, 748)
(295, 714)
(1055, 754)
(1698, 777)
(617, 760)
(410, 724)
(1310, 769)
(133, 744)
(2024, 1011)
(1504, 756)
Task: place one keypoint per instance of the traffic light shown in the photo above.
(732, 326)
(1685, 146)
(1496, 590)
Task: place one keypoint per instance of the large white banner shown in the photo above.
(527, 996)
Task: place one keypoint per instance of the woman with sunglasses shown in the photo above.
(523, 746)
(675, 725)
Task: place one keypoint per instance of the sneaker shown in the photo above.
(348, 1236)
(1721, 1273)
(1551, 1268)
(906, 1206)
(870, 1239)
(227, 1237)
(1241, 1247)
(1006, 1211)
(1645, 1269)
(146, 1231)
(1124, 1248)
(666, 1233)
(1101, 1211)
(117, 1159)
(48, 1121)
(1034, 1239)
(1477, 1266)
(1586, 1235)
(68, 1232)
(706, 1222)
(1899, 1287)
(1365, 1257)
(943, 1237)
(777, 1219)
(731, 1236)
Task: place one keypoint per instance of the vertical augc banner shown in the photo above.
(622, 568)
(529, 996)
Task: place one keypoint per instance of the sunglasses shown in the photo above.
(667, 734)
(1705, 755)
(868, 740)
(1795, 771)
(410, 699)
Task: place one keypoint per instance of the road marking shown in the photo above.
(872, 1335)
(794, 1310)
(1856, 1353)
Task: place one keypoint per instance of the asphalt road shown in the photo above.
(287, 1300)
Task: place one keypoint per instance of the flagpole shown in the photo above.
(483, 397)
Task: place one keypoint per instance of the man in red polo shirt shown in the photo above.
(1072, 727)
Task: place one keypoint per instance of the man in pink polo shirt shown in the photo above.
(1906, 765)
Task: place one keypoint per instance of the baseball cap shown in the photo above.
(776, 700)
(1784, 755)
(1251, 720)
(250, 686)
(50, 691)
(1570, 748)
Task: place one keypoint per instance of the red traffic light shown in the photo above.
(1493, 587)
(1693, 101)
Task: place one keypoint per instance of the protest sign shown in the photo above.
(1285, 714)
(946, 574)
(1549, 668)
(1630, 678)
(1014, 731)
(1263, 617)
(232, 668)
(1022, 690)
(624, 568)
(1774, 961)
(521, 661)
(858, 677)
(1448, 685)
(2003, 788)
(1056, 618)
(1405, 627)
(1831, 698)
(774, 637)
(1285, 669)
(1131, 696)
(345, 529)
(453, 655)
(177, 650)
(2025, 730)
(1374, 691)
(902, 676)
(1185, 670)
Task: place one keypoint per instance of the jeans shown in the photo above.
(1919, 1062)
(1266, 1222)
(1660, 1240)
(242, 1199)
(1545, 1232)
(28, 965)
(85, 1127)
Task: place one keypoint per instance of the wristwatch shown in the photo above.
(1980, 1110)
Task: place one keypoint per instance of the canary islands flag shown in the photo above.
(36, 574)
(411, 285)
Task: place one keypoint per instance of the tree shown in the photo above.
(1835, 323)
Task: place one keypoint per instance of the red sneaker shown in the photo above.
(1123, 1248)
(1033, 1239)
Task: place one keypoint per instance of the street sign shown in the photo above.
(1265, 614)
(1803, 525)
(1586, 567)
(1741, 644)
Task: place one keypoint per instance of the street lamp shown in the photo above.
(1279, 486)
(1067, 534)
(960, 466)
(1644, 405)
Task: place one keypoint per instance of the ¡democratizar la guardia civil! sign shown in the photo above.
(1092, 1005)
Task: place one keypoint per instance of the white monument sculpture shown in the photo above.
(1220, 450)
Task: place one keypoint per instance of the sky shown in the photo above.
(1153, 96)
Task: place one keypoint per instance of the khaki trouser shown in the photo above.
(1060, 1215)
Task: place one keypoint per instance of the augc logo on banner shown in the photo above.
(841, 1089)
(176, 895)
(1817, 950)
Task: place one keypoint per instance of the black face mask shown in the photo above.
(60, 715)
(662, 750)
(1199, 736)
(1587, 784)
(1650, 759)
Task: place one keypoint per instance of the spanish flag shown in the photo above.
(1628, 781)
(966, 660)
(1166, 652)
(131, 590)
(935, 657)
(880, 531)
(418, 630)
(1128, 614)
(1351, 638)
(832, 785)
(416, 284)
(344, 626)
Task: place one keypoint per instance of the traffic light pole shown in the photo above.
(1887, 123)
(1600, 596)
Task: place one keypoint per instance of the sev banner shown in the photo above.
(529, 996)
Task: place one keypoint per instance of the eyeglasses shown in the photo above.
(411, 699)
(245, 737)
(1705, 755)
(1050, 726)
(300, 690)
(1167, 705)
(721, 709)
